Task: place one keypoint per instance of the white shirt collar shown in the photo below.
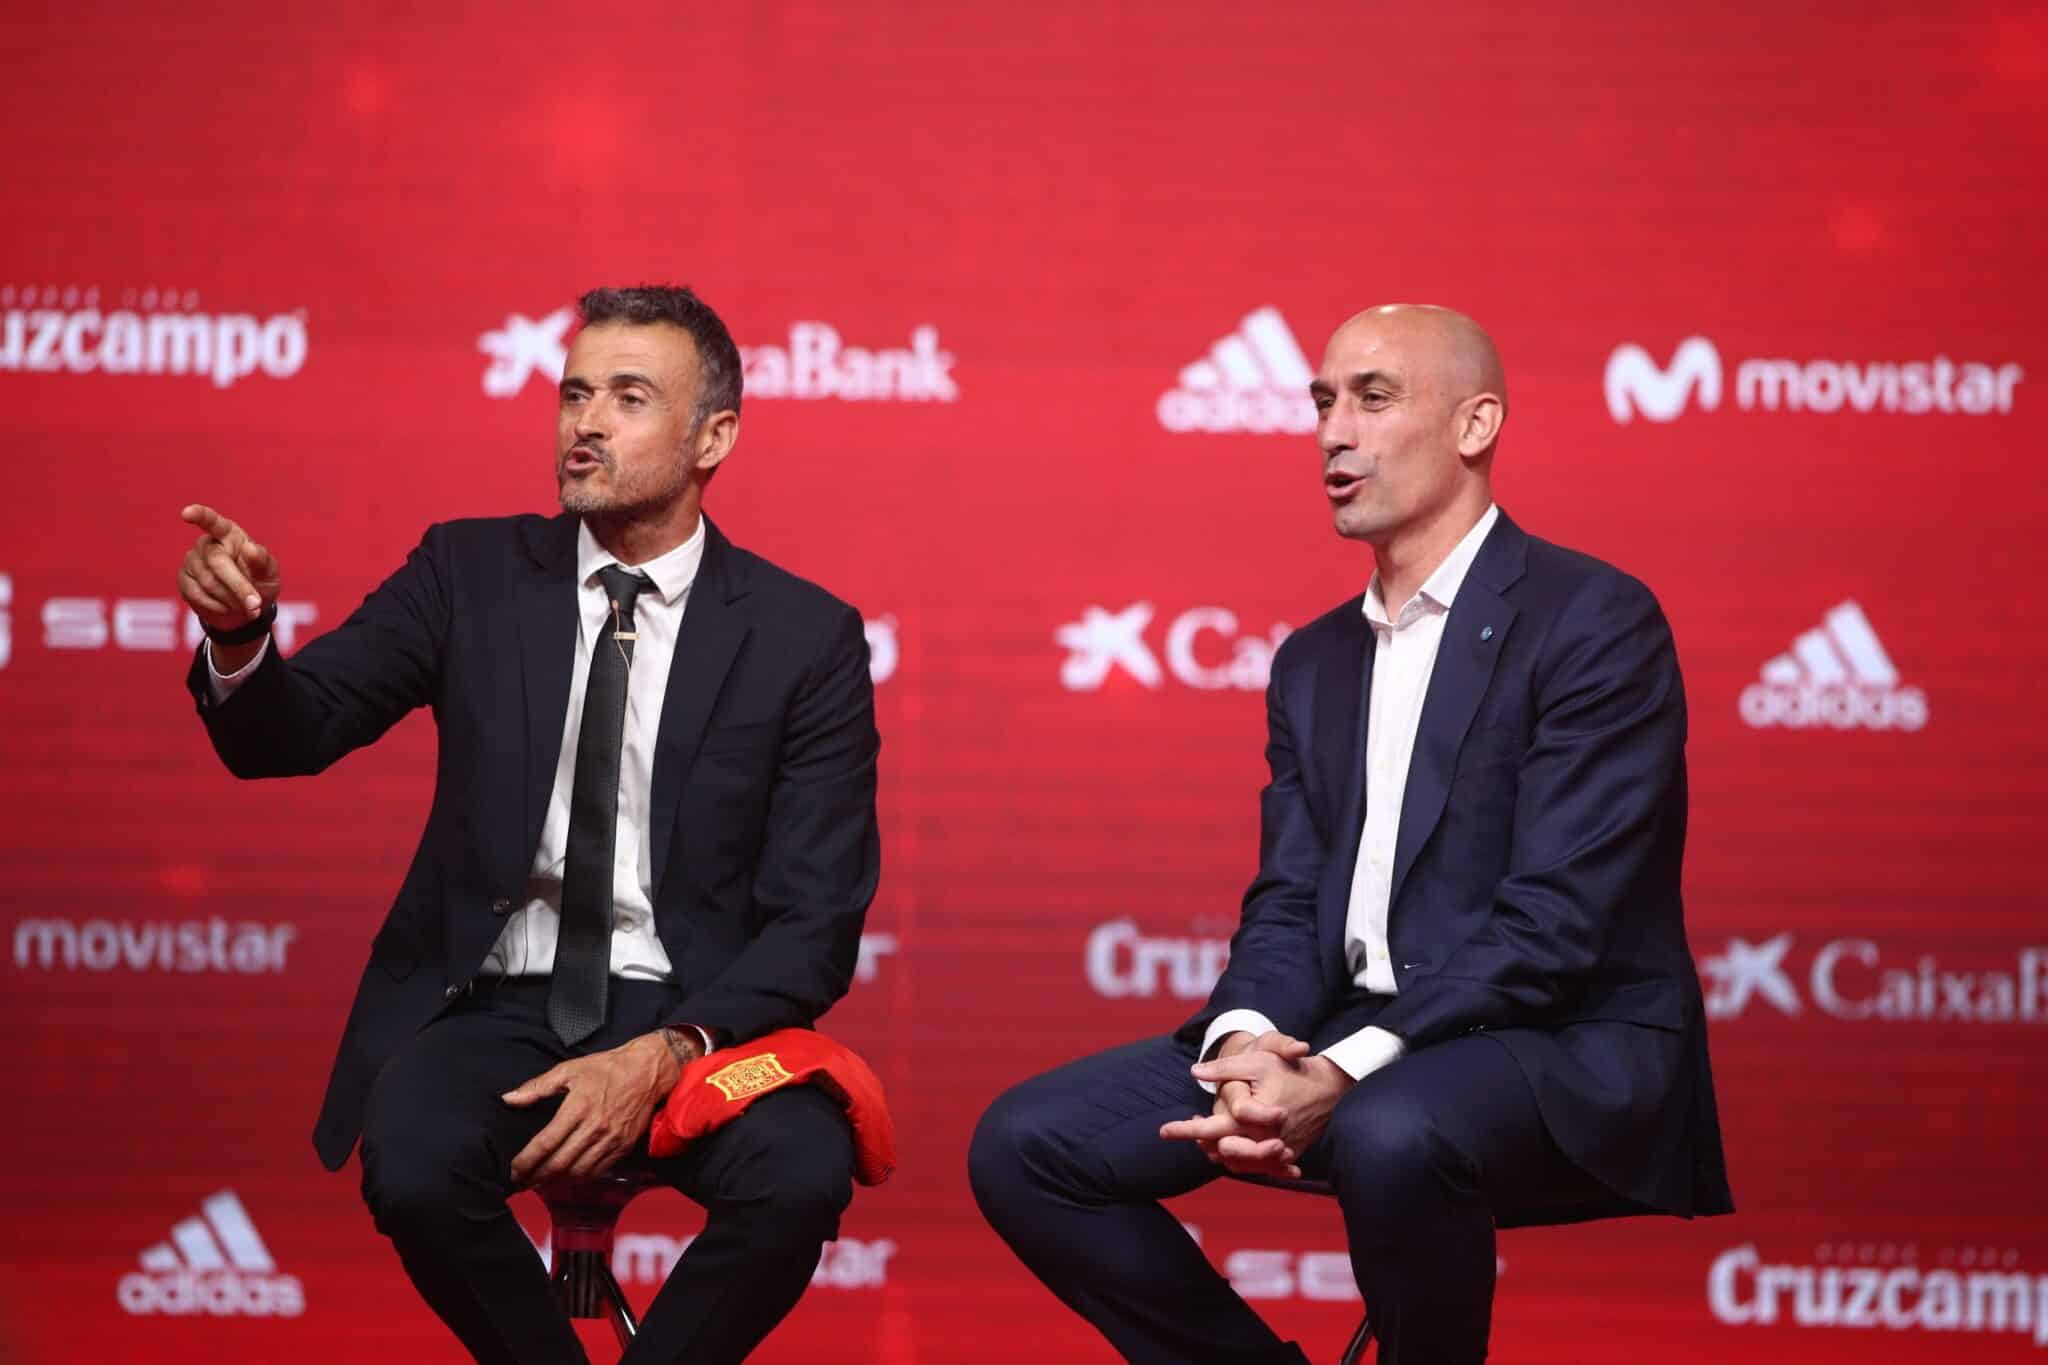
(1440, 589)
(673, 572)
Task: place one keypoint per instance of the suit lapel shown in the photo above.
(1343, 685)
(545, 607)
(715, 622)
(1474, 636)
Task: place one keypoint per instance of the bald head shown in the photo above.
(1448, 350)
(1409, 403)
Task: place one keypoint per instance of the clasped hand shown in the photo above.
(1273, 1101)
(608, 1101)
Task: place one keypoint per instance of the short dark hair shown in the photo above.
(676, 305)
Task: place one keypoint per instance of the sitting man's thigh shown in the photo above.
(436, 1128)
(1460, 1114)
(1092, 1127)
(791, 1151)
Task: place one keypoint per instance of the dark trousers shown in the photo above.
(1069, 1168)
(437, 1150)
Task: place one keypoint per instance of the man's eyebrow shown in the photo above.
(618, 379)
(1358, 379)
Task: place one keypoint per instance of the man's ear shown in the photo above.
(1478, 423)
(713, 441)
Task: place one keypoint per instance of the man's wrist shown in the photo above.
(1328, 1072)
(1230, 1044)
(228, 662)
(685, 1043)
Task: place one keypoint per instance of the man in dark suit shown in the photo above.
(1460, 990)
(652, 835)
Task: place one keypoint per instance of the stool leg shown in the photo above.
(1360, 1339)
(578, 1284)
(624, 1325)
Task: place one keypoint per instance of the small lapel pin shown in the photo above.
(1486, 632)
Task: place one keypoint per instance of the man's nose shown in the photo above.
(591, 421)
(1335, 434)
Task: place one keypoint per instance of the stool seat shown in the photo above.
(585, 1213)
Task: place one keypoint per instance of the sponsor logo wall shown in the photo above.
(1041, 415)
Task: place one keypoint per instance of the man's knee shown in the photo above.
(790, 1164)
(413, 1184)
(1011, 1145)
(1385, 1138)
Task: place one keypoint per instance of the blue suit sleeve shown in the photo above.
(1274, 964)
(343, 689)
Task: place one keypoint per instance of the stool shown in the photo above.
(585, 1215)
(1362, 1338)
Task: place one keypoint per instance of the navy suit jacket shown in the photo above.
(1536, 867)
(765, 852)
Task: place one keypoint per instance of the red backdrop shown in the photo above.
(1021, 290)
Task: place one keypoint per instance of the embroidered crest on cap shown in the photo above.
(750, 1076)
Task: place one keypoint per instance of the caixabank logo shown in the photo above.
(813, 361)
(73, 329)
(1206, 648)
(1635, 385)
(213, 1265)
(1857, 978)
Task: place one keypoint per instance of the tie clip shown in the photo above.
(625, 635)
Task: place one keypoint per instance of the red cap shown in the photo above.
(717, 1089)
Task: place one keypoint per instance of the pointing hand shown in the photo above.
(226, 578)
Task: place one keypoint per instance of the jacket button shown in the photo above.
(452, 991)
(501, 906)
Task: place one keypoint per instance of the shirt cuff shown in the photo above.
(1365, 1052)
(220, 686)
(1227, 1023)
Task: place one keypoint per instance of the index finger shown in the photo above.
(1249, 1065)
(1210, 1126)
(207, 520)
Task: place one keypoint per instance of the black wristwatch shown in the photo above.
(244, 635)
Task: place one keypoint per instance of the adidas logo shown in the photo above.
(1255, 379)
(1836, 676)
(214, 1264)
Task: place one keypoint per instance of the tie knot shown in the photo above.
(623, 585)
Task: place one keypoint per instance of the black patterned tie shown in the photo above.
(583, 949)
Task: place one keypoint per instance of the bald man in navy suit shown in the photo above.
(1460, 990)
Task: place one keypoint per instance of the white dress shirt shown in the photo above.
(1404, 657)
(526, 947)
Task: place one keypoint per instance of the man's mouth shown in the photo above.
(581, 460)
(1340, 484)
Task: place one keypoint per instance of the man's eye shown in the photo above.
(631, 400)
